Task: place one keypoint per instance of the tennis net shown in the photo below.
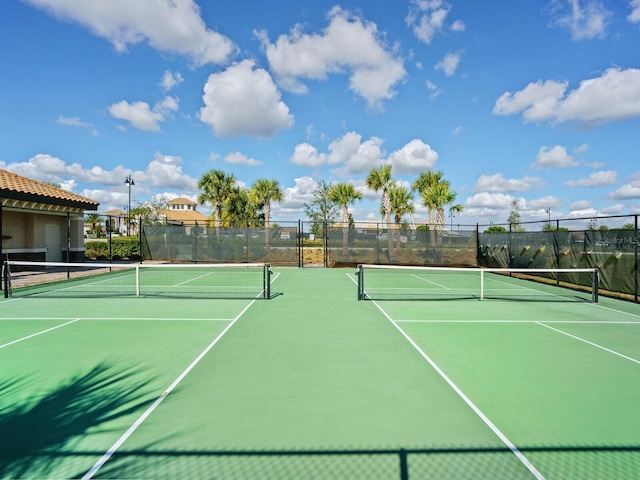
(392, 282)
(58, 279)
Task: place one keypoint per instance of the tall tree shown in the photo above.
(401, 203)
(379, 179)
(514, 217)
(94, 219)
(217, 186)
(242, 208)
(344, 194)
(321, 210)
(267, 191)
(422, 185)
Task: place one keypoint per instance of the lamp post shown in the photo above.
(129, 181)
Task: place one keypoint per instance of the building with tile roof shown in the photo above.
(182, 211)
(40, 221)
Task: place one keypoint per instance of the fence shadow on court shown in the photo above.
(35, 430)
(566, 462)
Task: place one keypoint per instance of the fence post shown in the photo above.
(404, 466)
(299, 244)
(635, 257)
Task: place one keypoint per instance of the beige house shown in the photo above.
(182, 211)
(116, 221)
(40, 222)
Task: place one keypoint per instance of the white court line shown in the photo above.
(430, 281)
(114, 448)
(511, 446)
(109, 453)
(524, 460)
(39, 333)
(128, 319)
(589, 343)
(581, 322)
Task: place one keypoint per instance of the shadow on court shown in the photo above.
(35, 431)
(561, 462)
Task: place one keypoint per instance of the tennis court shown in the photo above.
(316, 384)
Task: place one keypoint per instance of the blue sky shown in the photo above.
(535, 101)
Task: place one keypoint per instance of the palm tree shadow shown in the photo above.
(35, 431)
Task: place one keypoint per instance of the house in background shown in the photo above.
(116, 221)
(182, 211)
(41, 222)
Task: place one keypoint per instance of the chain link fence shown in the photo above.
(607, 243)
(610, 244)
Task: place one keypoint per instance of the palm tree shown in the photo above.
(401, 202)
(94, 219)
(380, 179)
(425, 182)
(438, 197)
(344, 194)
(242, 208)
(266, 191)
(216, 188)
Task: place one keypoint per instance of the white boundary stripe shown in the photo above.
(581, 322)
(114, 448)
(589, 343)
(109, 453)
(39, 333)
(125, 319)
(524, 460)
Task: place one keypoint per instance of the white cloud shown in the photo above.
(307, 155)
(497, 183)
(634, 16)
(613, 96)
(434, 90)
(138, 114)
(348, 44)
(553, 157)
(237, 158)
(458, 26)
(354, 155)
(170, 80)
(449, 63)
(585, 19)
(77, 122)
(243, 100)
(166, 171)
(596, 179)
(302, 192)
(538, 101)
(626, 192)
(427, 18)
(416, 156)
(488, 200)
(174, 26)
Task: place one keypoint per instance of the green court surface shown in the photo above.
(315, 384)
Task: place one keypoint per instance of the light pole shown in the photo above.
(129, 181)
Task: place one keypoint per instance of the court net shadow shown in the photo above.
(35, 430)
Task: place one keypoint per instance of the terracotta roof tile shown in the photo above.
(12, 182)
(189, 216)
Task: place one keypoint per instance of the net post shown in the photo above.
(267, 281)
(5, 278)
(596, 285)
(481, 284)
(137, 280)
(360, 282)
